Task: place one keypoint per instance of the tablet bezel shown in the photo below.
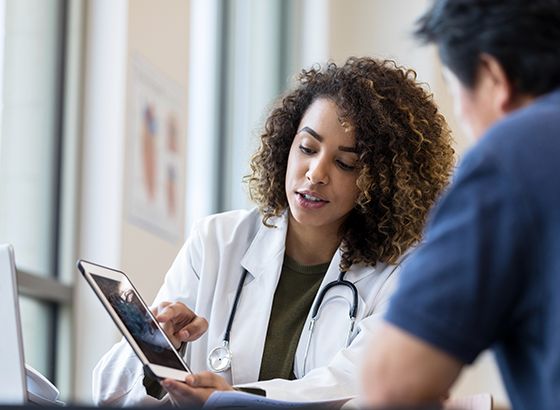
(157, 370)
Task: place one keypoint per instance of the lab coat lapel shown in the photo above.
(263, 261)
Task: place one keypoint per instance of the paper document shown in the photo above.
(240, 400)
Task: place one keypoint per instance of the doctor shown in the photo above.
(349, 164)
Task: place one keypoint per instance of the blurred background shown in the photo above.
(121, 122)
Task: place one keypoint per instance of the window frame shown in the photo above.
(57, 289)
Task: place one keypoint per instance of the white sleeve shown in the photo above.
(339, 379)
(118, 377)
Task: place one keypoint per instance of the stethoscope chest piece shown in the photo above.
(219, 359)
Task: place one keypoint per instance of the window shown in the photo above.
(34, 185)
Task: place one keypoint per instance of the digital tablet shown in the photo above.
(136, 322)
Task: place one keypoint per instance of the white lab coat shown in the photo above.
(205, 276)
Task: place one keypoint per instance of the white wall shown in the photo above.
(159, 32)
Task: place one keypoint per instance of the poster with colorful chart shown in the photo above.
(155, 134)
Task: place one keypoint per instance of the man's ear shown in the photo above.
(505, 98)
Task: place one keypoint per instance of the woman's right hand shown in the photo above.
(179, 322)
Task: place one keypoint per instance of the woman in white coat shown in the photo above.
(349, 164)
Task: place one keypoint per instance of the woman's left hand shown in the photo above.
(196, 389)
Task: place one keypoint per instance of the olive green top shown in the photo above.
(292, 302)
(293, 299)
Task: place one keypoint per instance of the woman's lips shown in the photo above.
(309, 201)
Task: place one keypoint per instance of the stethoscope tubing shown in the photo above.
(317, 305)
(352, 313)
(330, 285)
(234, 307)
(220, 358)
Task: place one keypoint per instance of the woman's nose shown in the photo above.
(318, 173)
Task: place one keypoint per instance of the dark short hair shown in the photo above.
(523, 35)
(403, 144)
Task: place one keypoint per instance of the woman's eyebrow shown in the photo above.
(312, 133)
(321, 139)
(347, 149)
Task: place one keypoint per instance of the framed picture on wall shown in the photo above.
(155, 166)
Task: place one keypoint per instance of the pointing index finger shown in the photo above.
(167, 313)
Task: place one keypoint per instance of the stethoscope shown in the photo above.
(219, 359)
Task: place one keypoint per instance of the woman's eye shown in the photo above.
(306, 150)
(344, 166)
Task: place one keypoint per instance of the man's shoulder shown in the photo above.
(524, 146)
(538, 121)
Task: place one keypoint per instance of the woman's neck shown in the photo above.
(310, 245)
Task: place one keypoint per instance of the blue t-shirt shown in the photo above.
(488, 274)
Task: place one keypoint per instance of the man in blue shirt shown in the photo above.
(488, 274)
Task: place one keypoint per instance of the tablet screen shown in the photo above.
(139, 322)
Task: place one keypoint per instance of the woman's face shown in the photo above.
(321, 176)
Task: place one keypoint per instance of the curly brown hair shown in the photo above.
(403, 144)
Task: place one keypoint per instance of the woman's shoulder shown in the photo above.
(230, 217)
(230, 225)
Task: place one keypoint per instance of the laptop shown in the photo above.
(20, 384)
(13, 386)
